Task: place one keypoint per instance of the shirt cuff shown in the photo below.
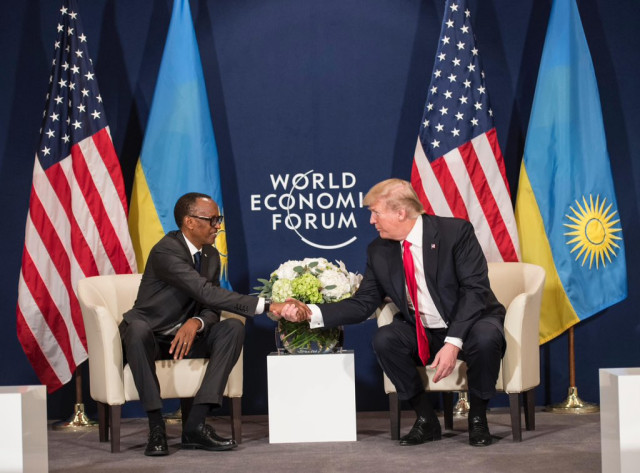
(260, 306)
(201, 324)
(316, 320)
(454, 341)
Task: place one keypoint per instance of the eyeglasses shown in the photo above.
(213, 221)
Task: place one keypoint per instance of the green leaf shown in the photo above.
(330, 286)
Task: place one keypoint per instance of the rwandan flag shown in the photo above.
(179, 153)
(566, 206)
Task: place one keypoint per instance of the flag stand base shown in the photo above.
(573, 405)
(78, 421)
(461, 409)
(174, 417)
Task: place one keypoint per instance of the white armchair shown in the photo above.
(103, 300)
(518, 286)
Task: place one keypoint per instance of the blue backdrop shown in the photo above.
(330, 91)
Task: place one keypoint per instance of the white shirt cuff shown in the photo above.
(316, 320)
(201, 324)
(454, 341)
(260, 306)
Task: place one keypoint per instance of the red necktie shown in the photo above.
(412, 285)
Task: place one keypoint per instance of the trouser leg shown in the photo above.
(141, 350)
(482, 351)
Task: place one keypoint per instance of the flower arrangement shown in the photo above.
(312, 281)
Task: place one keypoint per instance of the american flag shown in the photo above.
(77, 223)
(458, 169)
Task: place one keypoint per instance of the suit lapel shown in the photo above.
(430, 250)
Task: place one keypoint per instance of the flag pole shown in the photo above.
(78, 420)
(573, 404)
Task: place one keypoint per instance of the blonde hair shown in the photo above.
(396, 194)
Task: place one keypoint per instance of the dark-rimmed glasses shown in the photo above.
(213, 221)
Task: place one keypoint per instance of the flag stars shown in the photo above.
(60, 28)
(448, 94)
(70, 31)
(72, 86)
(459, 116)
(481, 89)
(474, 51)
(429, 106)
(490, 113)
(454, 7)
(66, 138)
(443, 111)
(467, 84)
(449, 23)
(99, 98)
(50, 133)
(89, 75)
(65, 66)
(456, 62)
(56, 45)
(474, 122)
(439, 127)
(58, 100)
(435, 143)
(452, 77)
(455, 132)
(73, 15)
(442, 56)
(460, 45)
(75, 69)
(467, 13)
(478, 106)
(437, 73)
(46, 151)
(85, 92)
(63, 10)
(95, 115)
(62, 83)
(434, 90)
(464, 29)
(445, 40)
(83, 38)
(425, 123)
(471, 67)
(81, 108)
(463, 100)
(77, 125)
(78, 53)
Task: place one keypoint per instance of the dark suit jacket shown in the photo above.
(171, 290)
(456, 273)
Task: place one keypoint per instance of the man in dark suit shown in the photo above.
(458, 312)
(177, 315)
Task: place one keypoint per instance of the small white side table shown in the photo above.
(23, 430)
(620, 419)
(312, 398)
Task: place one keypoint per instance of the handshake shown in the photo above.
(291, 310)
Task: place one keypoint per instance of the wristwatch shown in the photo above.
(267, 304)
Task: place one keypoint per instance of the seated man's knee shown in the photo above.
(233, 328)
(383, 339)
(137, 331)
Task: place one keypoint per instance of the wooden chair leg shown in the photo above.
(185, 408)
(103, 421)
(516, 425)
(447, 407)
(530, 409)
(236, 419)
(394, 415)
(115, 413)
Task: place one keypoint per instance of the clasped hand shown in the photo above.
(291, 310)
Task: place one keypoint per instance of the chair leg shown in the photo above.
(115, 413)
(447, 407)
(394, 415)
(516, 425)
(185, 408)
(236, 419)
(103, 421)
(530, 409)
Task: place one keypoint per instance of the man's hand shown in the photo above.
(292, 310)
(183, 340)
(445, 361)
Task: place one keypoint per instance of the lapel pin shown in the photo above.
(433, 246)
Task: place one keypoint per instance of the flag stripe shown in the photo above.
(434, 198)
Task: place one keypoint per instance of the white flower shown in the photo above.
(281, 290)
(354, 281)
(285, 271)
(337, 281)
(316, 265)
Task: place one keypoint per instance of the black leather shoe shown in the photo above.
(157, 443)
(421, 432)
(205, 438)
(479, 435)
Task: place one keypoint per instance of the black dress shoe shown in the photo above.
(205, 438)
(157, 443)
(479, 435)
(422, 431)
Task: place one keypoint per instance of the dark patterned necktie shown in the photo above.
(197, 260)
(412, 285)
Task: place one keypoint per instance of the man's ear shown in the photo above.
(402, 215)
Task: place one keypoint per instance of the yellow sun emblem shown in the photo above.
(594, 232)
(221, 246)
